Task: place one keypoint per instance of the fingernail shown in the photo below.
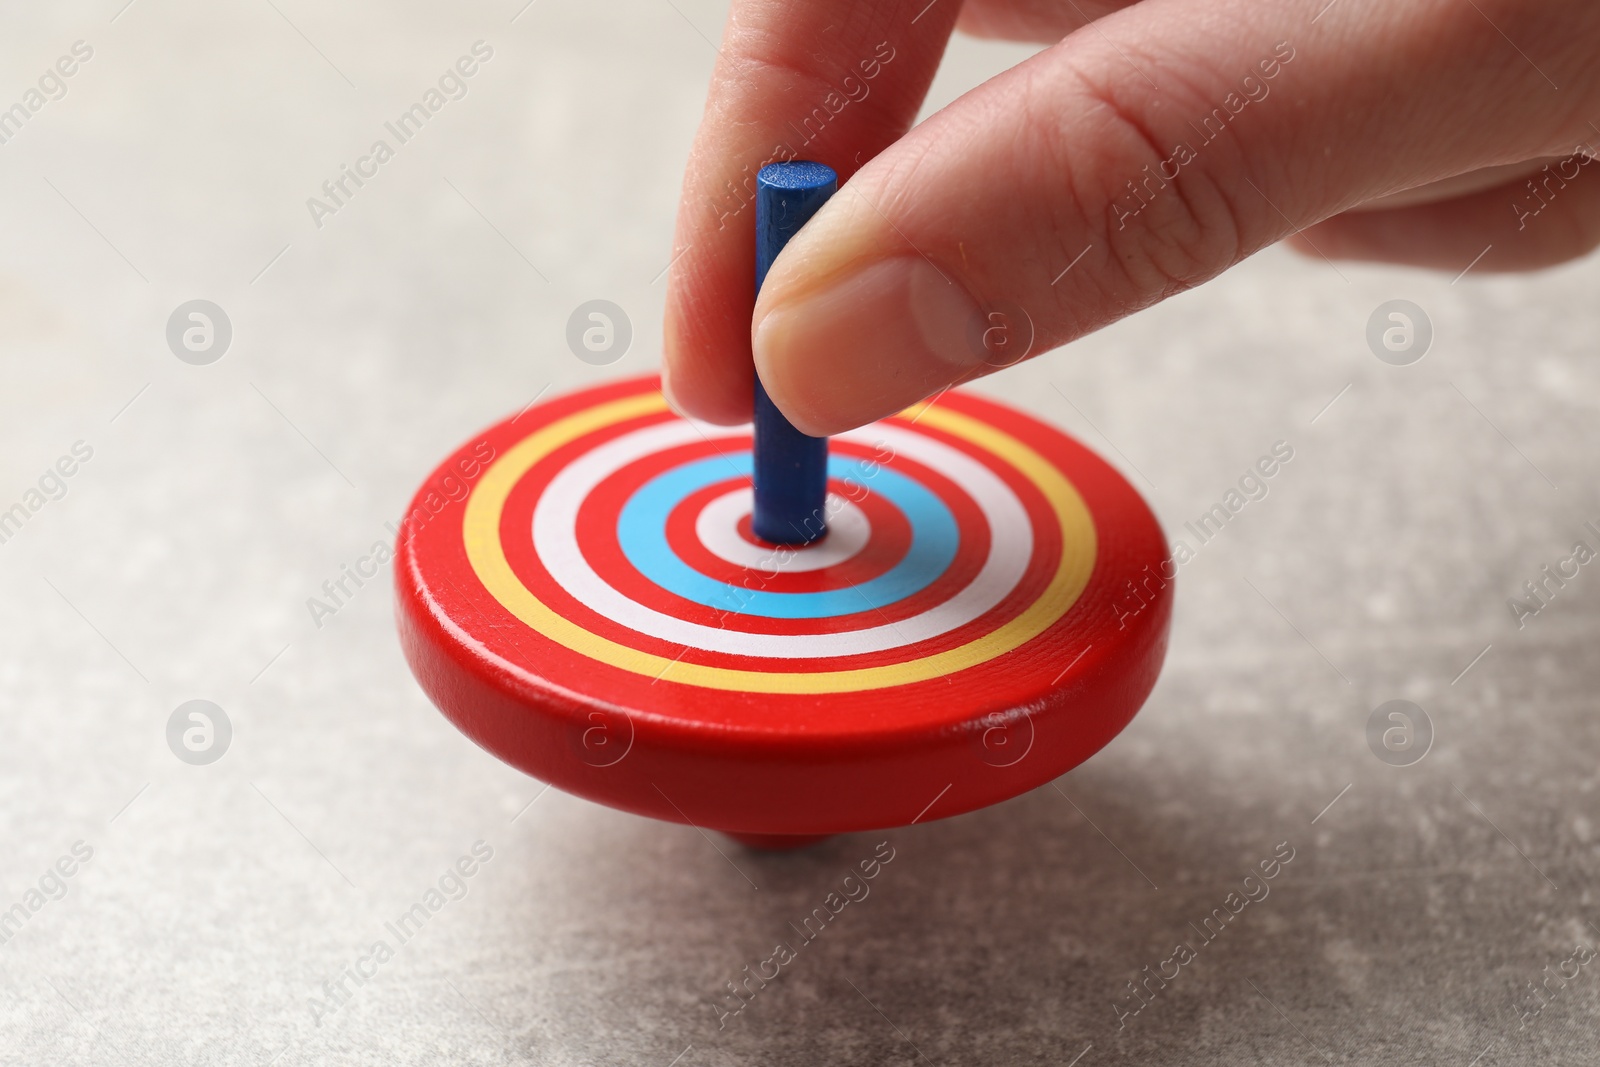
(866, 345)
(666, 384)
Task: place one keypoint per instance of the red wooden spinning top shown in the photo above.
(582, 591)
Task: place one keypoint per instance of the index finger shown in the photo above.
(835, 82)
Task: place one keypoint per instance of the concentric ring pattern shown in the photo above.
(964, 571)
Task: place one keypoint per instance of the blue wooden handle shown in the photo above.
(791, 468)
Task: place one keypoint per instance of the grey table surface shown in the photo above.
(216, 901)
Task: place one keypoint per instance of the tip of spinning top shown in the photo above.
(777, 842)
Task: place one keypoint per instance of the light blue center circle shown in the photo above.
(642, 533)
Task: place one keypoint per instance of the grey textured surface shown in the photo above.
(220, 898)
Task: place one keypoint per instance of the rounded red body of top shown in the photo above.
(579, 591)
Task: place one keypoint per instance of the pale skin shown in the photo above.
(1399, 131)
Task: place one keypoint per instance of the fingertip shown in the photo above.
(720, 392)
(877, 337)
(720, 400)
(1326, 246)
(705, 367)
(667, 392)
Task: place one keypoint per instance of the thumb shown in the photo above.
(1141, 156)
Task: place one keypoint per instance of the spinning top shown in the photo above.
(757, 633)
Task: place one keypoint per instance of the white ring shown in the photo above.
(555, 542)
(717, 528)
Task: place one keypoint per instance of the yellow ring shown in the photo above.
(480, 532)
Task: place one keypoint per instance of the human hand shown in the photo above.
(1157, 144)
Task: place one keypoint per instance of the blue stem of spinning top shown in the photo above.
(791, 468)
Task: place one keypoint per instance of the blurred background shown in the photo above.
(168, 509)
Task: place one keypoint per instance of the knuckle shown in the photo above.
(1168, 210)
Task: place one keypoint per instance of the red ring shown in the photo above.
(888, 541)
